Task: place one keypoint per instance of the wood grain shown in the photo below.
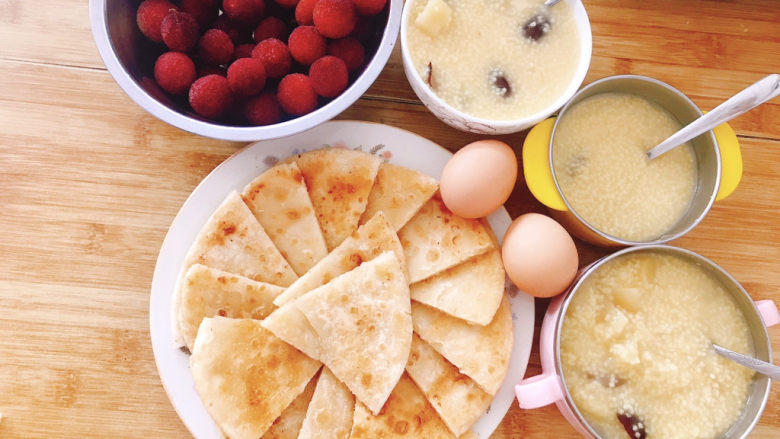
(89, 184)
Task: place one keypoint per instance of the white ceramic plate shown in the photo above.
(391, 144)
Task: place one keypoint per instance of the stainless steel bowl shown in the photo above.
(129, 57)
(705, 149)
(759, 389)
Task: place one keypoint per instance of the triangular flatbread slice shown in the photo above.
(289, 324)
(435, 239)
(246, 376)
(364, 327)
(455, 397)
(406, 414)
(369, 241)
(339, 181)
(398, 192)
(232, 240)
(208, 292)
(470, 291)
(480, 352)
(279, 200)
(330, 412)
(288, 424)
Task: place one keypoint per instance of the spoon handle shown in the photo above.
(549, 3)
(749, 98)
(763, 367)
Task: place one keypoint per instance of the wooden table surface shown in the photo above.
(89, 183)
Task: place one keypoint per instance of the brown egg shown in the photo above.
(539, 255)
(479, 178)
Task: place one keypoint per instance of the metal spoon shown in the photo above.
(747, 99)
(549, 3)
(759, 366)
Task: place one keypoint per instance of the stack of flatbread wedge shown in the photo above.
(337, 297)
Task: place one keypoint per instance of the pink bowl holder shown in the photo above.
(547, 388)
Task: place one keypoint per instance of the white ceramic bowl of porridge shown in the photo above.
(478, 66)
(626, 352)
(589, 166)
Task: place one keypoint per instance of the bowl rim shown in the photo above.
(586, 53)
(99, 24)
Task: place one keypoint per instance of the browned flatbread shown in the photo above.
(470, 291)
(289, 324)
(480, 352)
(208, 292)
(245, 376)
(370, 240)
(364, 327)
(455, 397)
(288, 424)
(339, 181)
(330, 412)
(232, 240)
(406, 414)
(435, 240)
(398, 192)
(279, 200)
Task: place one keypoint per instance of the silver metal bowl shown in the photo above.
(129, 57)
(705, 148)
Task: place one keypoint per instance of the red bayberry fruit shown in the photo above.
(306, 44)
(349, 50)
(215, 47)
(174, 72)
(179, 31)
(248, 12)
(271, 27)
(263, 109)
(304, 12)
(204, 11)
(275, 57)
(210, 96)
(238, 33)
(243, 51)
(328, 76)
(246, 76)
(369, 7)
(295, 94)
(334, 18)
(150, 15)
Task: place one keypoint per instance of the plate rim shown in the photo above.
(522, 304)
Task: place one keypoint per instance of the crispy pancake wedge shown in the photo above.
(398, 192)
(232, 240)
(456, 398)
(208, 292)
(363, 322)
(288, 424)
(330, 412)
(370, 240)
(471, 290)
(406, 414)
(289, 324)
(339, 181)
(480, 352)
(279, 200)
(435, 240)
(246, 376)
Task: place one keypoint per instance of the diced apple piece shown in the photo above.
(435, 17)
(614, 323)
(627, 353)
(629, 299)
